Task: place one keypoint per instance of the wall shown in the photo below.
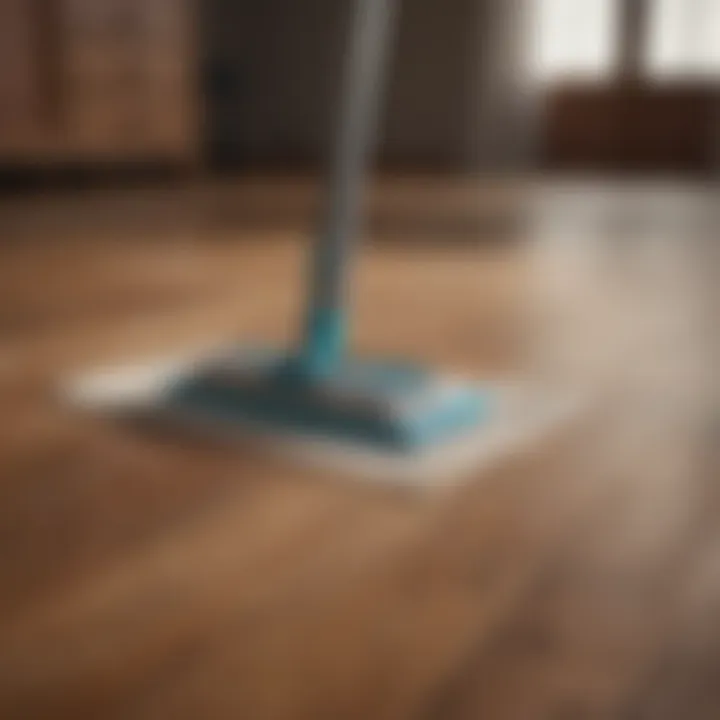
(276, 71)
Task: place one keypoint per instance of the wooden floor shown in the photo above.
(147, 576)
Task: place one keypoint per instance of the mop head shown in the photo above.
(380, 422)
(396, 407)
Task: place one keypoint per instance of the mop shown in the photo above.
(317, 396)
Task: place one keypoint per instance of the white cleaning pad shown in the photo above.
(523, 413)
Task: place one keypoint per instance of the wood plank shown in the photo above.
(147, 577)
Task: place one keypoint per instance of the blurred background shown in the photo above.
(602, 85)
(545, 209)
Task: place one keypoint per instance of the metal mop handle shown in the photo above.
(325, 333)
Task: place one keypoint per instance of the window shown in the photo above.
(683, 39)
(579, 39)
(575, 39)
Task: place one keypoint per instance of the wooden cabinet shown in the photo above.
(639, 128)
(97, 80)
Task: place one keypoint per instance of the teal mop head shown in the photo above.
(393, 407)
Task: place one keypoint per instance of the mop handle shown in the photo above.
(362, 91)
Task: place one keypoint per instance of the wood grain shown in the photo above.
(147, 576)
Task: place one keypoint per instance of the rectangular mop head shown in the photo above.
(467, 426)
(396, 407)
